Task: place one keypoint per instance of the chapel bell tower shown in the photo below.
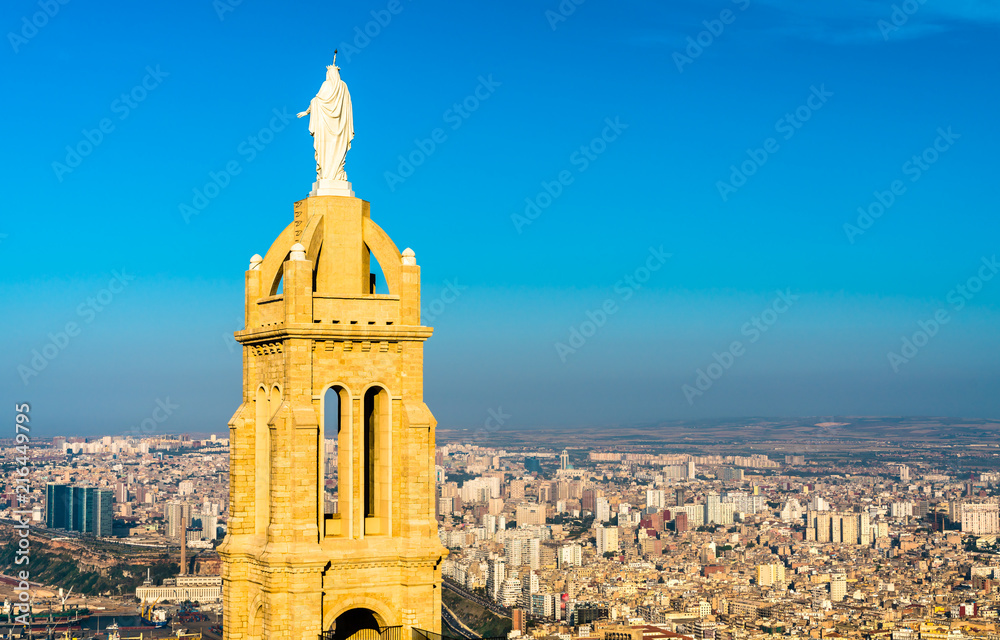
(332, 485)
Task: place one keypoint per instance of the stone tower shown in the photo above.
(331, 364)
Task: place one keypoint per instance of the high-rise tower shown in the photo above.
(327, 353)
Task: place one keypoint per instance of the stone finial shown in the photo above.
(409, 257)
(255, 262)
(298, 252)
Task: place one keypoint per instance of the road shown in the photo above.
(489, 605)
(455, 625)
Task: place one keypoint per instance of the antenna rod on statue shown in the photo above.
(334, 57)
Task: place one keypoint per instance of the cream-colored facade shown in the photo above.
(315, 323)
(194, 588)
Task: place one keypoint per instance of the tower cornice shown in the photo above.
(354, 333)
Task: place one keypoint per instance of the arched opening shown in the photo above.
(257, 623)
(335, 405)
(262, 461)
(385, 252)
(278, 286)
(316, 263)
(273, 401)
(356, 624)
(371, 449)
(377, 457)
(376, 277)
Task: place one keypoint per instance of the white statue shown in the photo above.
(331, 123)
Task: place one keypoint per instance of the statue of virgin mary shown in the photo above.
(331, 123)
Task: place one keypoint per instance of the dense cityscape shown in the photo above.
(578, 542)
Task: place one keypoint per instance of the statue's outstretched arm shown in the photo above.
(304, 113)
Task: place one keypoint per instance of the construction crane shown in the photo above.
(64, 598)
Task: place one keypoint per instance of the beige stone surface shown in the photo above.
(313, 324)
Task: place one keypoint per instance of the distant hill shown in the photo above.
(954, 431)
(59, 568)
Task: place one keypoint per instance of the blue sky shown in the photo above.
(823, 105)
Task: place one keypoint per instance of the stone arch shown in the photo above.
(357, 624)
(256, 627)
(312, 240)
(376, 285)
(383, 613)
(273, 401)
(376, 456)
(272, 268)
(262, 459)
(377, 241)
(343, 421)
(345, 391)
(276, 288)
(386, 254)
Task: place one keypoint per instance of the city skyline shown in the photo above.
(691, 540)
